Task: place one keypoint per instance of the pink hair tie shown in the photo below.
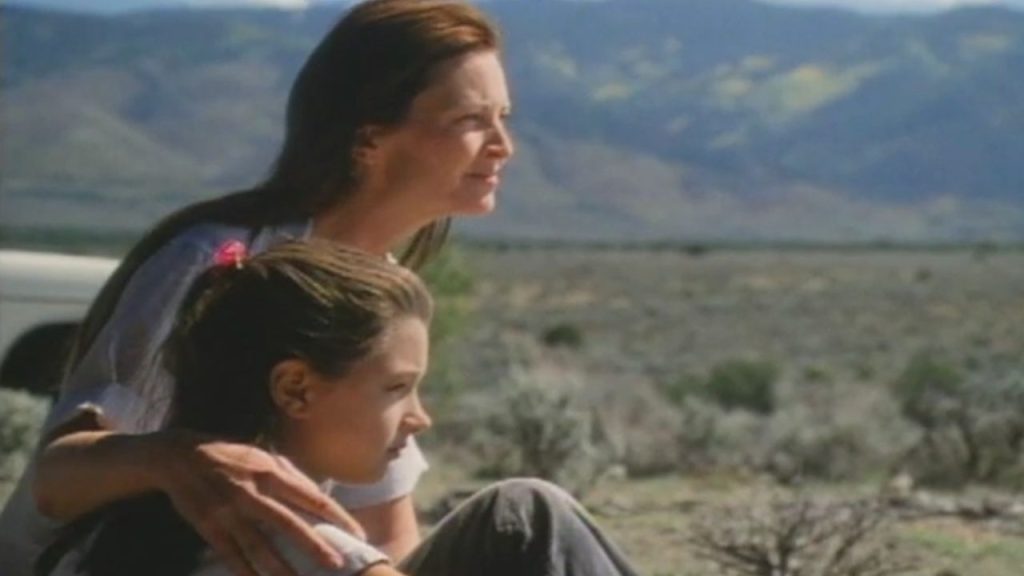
(230, 253)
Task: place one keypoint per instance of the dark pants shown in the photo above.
(521, 527)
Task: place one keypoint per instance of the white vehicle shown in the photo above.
(43, 298)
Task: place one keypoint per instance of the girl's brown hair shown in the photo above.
(316, 301)
(367, 70)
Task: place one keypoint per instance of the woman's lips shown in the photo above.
(488, 178)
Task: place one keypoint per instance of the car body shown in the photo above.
(43, 298)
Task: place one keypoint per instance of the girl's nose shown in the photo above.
(417, 420)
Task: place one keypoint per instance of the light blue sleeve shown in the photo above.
(121, 375)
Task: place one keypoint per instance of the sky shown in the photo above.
(868, 6)
(895, 6)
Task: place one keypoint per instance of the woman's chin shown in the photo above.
(480, 206)
(477, 200)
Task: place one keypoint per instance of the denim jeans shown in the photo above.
(521, 527)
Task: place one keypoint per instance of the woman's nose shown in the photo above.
(501, 144)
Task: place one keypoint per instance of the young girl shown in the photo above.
(314, 352)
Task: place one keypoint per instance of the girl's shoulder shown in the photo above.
(172, 266)
(183, 255)
(206, 237)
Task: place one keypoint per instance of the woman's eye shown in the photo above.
(471, 120)
(397, 387)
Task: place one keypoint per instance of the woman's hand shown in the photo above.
(228, 490)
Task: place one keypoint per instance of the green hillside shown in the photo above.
(710, 119)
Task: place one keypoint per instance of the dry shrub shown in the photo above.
(538, 424)
(744, 384)
(552, 419)
(829, 435)
(641, 429)
(800, 537)
(720, 439)
(838, 436)
(21, 419)
(563, 334)
(972, 431)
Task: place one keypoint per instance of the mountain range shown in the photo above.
(647, 119)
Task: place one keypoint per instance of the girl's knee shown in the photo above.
(532, 492)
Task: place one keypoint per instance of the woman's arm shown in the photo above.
(85, 469)
(225, 490)
(85, 466)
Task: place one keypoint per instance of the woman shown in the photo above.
(395, 123)
(315, 352)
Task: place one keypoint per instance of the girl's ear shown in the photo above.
(292, 385)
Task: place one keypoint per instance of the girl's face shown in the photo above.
(446, 157)
(351, 427)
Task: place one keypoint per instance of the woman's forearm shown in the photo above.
(82, 471)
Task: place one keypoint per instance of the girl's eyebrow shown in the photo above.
(406, 373)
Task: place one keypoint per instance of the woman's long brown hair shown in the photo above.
(366, 71)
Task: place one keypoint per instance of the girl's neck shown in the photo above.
(278, 447)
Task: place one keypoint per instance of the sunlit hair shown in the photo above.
(316, 301)
(366, 71)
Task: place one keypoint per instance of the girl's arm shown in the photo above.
(391, 526)
(226, 491)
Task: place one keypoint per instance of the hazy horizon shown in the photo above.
(861, 6)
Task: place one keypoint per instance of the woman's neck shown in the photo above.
(367, 223)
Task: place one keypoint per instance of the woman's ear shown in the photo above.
(367, 142)
(292, 384)
(365, 145)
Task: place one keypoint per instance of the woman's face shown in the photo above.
(446, 157)
(356, 424)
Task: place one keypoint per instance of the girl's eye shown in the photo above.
(397, 387)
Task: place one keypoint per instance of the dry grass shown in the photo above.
(650, 520)
(841, 325)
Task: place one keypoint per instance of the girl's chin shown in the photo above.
(367, 476)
